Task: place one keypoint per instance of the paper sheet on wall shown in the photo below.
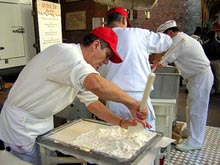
(49, 23)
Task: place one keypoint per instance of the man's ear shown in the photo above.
(124, 21)
(96, 44)
(170, 33)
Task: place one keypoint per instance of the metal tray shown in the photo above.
(58, 139)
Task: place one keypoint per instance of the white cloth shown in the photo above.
(166, 25)
(134, 45)
(199, 87)
(197, 38)
(49, 83)
(189, 58)
(194, 66)
(122, 111)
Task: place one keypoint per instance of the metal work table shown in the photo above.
(149, 154)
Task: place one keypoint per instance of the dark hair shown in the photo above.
(90, 38)
(114, 17)
(174, 29)
(198, 31)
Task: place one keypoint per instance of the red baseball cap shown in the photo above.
(109, 36)
(121, 11)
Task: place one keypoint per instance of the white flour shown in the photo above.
(114, 141)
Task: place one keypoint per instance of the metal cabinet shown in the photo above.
(165, 111)
(165, 98)
(166, 84)
(17, 33)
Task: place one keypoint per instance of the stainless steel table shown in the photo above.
(48, 142)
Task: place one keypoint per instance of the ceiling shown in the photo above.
(213, 5)
(130, 4)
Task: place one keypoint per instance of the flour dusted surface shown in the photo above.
(114, 141)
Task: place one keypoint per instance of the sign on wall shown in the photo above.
(76, 20)
(49, 23)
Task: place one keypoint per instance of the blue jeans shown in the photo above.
(31, 157)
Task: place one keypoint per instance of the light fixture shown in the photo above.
(147, 14)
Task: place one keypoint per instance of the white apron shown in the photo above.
(21, 128)
(122, 111)
(199, 87)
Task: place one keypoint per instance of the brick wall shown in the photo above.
(187, 14)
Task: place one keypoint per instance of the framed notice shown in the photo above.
(49, 23)
(76, 20)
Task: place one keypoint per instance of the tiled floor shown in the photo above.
(208, 155)
(210, 152)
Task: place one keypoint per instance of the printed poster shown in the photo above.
(49, 23)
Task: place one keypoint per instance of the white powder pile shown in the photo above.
(114, 141)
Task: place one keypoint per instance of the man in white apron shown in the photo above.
(51, 81)
(194, 66)
(135, 45)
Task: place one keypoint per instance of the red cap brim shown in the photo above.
(116, 58)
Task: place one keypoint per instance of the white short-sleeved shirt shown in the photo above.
(134, 46)
(190, 57)
(47, 84)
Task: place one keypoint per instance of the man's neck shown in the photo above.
(116, 24)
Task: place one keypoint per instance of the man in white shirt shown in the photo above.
(135, 45)
(52, 80)
(194, 67)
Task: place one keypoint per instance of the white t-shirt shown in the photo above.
(47, 84)
(134, 46)
(190, 57)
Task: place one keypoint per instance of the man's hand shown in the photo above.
(141, 117)
(145, 124)
(138, 114)
(156, 66)
(143, 114)
(126, 123)
(134, 109)
(131, 122)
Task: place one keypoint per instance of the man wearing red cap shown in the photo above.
(118, 10)
(51, 81)
(135, 45)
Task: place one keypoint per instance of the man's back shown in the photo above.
(135, 45)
